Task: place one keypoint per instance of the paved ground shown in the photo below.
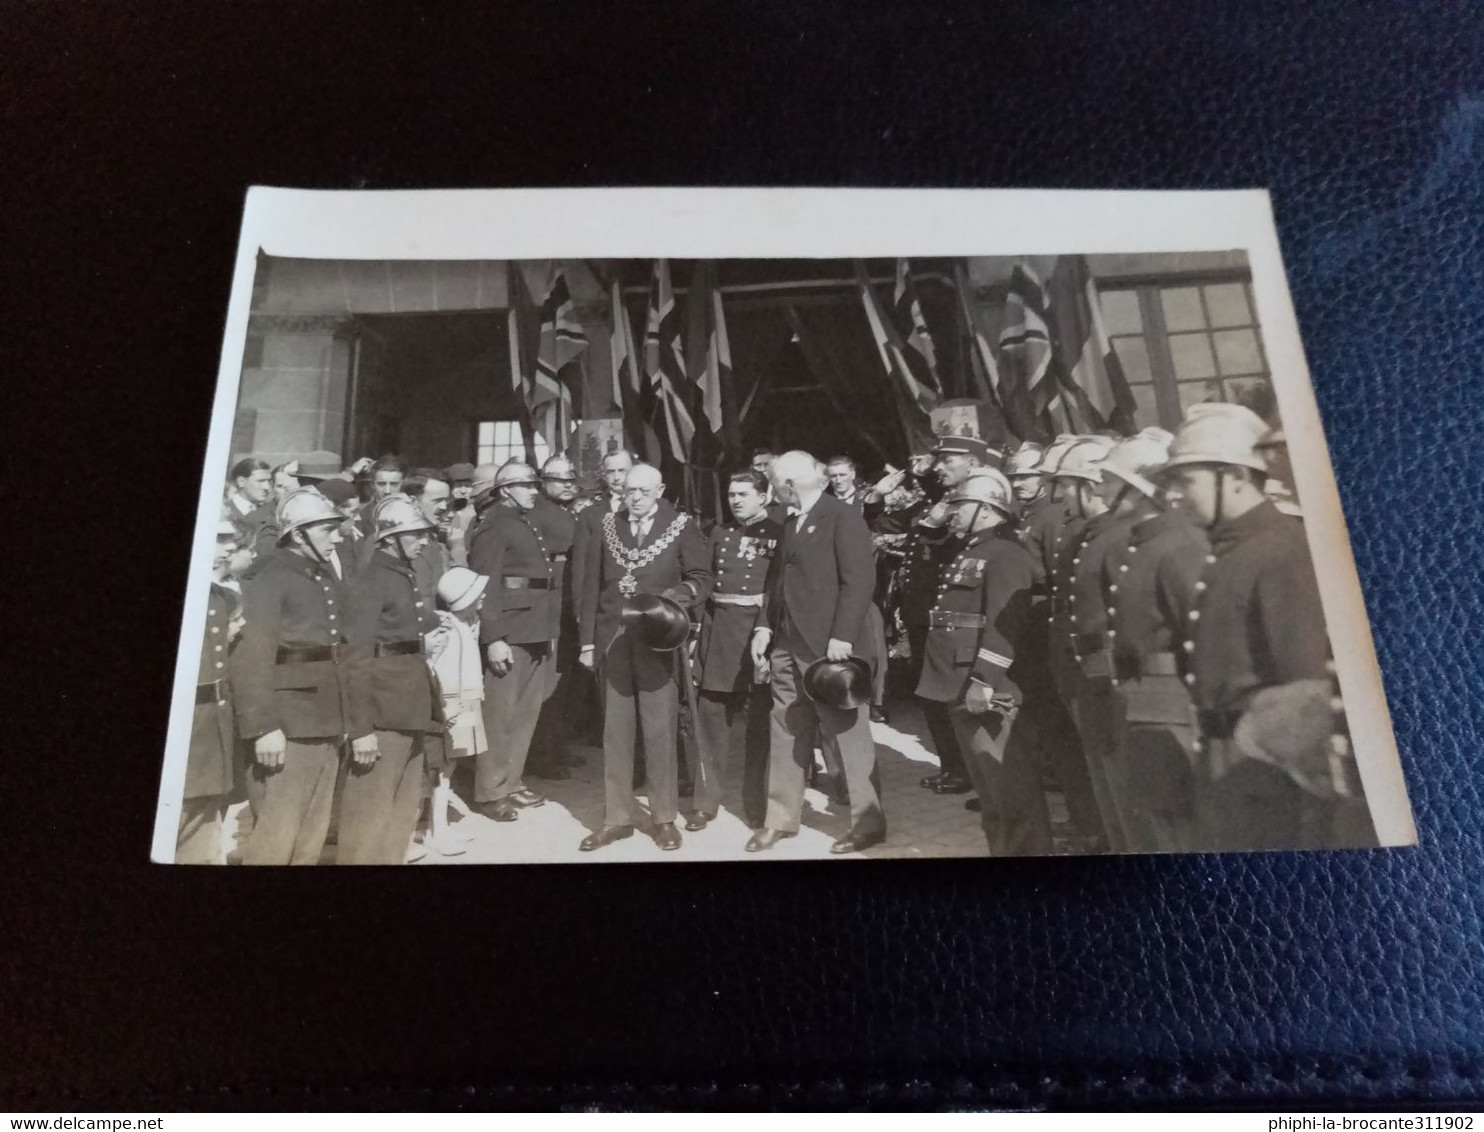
(919, 823)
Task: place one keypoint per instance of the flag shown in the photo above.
(912, 326)
(524, 323)
(708, 367)
(981, 363)
(914, 397)
(1084, 363)
(1026, 388)
(555, 393)
(628, 382)
(664, 371)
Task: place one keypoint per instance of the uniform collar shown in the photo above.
(1232, 532)
(390, 560)
(1155, 525)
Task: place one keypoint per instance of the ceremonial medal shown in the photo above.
(631, 559)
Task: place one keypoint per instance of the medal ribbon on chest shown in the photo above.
(632, 559)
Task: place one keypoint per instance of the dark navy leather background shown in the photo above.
(129, 140)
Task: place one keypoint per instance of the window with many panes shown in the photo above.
(498, 441)
(1182, 342)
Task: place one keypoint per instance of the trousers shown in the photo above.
(934, 713)
(291, 804)
(730, 724)
(379, 803)
(793, 723)
(641, 701)
(1012, 798)
(512, 706)
(1095, 711)
(199, 839)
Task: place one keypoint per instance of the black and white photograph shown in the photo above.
(767, 525)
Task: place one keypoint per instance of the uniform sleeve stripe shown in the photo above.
(995, 658)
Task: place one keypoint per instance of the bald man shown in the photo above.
(819, 587)
(647, 548)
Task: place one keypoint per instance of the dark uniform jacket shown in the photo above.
(558, 527)
(585, 522)
(1149, 584)
(686, 562)
(822, 580)
(1256, 620)
(1037, 529)
(522, 604)
(209, 763)
(740, 557)
(1082, 613)
(987, 589)
(389, 685)
(293, 603)
(924, 555)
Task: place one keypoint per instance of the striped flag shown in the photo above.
(628, 381)
(1084, 362)
(912, 326)
(555, 394)
(1026, 385)
(982, 366)
(664, 369)
(914, 395)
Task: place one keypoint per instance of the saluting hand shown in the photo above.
(363, 750)
(269, 749)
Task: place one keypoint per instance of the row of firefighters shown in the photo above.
(1134, 623)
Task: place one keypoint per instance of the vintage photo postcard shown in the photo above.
(679, 525)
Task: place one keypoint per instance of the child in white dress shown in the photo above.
(456, 667)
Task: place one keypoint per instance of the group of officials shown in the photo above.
(1132, 622)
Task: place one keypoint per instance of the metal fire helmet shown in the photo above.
(398, 515)
(1084, 459)
(303, 508)
(559, 468)
(1051, 458)
(1026, 460)
(516, 473)
(964, 417)
(1135, 458)
(985, 485)
(1219, 432)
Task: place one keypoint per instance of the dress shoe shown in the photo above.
(933, 779)
(855, 842)
(878, 713)
(667, 836)
(605, 836)
(973, 805)
(528, 799)
(698, 820)
(766, 839)
(502, 809)
(952, 784)
(553, 773)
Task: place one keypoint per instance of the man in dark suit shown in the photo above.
(819, 588)
(563, 714)
(649, 548)
(517, 630)
(393, 708)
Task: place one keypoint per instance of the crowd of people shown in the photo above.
(1132, 622)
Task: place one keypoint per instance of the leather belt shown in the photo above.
(942, 619)
(755, 600)
(212, 693)
(526, 583)
(1098, 662)
(1218, 724)
(559, 556)
(400, 648)
(1150, 664)
(1089, 642)
(306, 654)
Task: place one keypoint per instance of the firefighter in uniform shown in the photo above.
(518, 629)
(976, 628)
(1078, 647)
(393, 705)
(562, 714)
(1260, 673)
(287, 683)
(1149, 584)
(209, 761)
(733, 705)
